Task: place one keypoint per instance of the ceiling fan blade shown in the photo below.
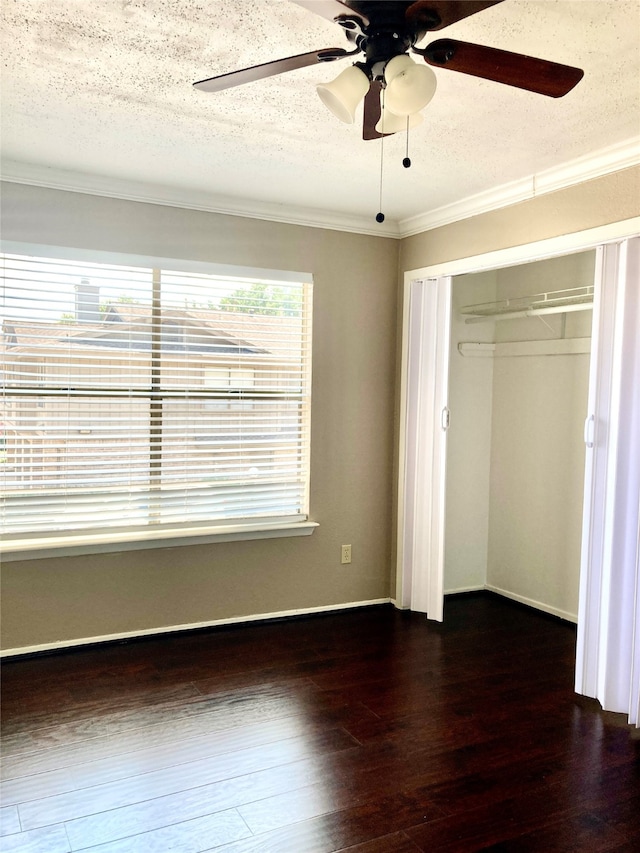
(438, 14)
(372, 112)
(513, 69)
(269, 69)
(331, 9)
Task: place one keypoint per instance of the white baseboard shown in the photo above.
(530, 602)
(234, 620)
(465, 589)
(281, 614)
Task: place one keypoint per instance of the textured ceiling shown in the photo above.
(103, 87)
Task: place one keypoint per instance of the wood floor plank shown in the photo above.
(126, 763)
(274, 812)
(9, 820)
(186, 724)
(493, 785)
(573, 833)
(253, 702)
(52, 839)
(190, 836)
(155, 813)
(177, 778)
(57, 710)
(618, 805)
(398, 842)
(428, 696)
(361, 791)
(268, 702)
(543, 815)
(31, 735)
(344, 828)
(441, 668)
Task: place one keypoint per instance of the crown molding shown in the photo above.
(603, 162)
(33, 174)
(614, 158)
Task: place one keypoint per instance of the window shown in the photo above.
(138, 402)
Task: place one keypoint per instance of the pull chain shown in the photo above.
(380, 215)
(407, 162)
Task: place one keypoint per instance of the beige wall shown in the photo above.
(537, 449)
(612, 198)
(355, 286)
(468, 441)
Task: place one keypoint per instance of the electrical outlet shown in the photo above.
(346, 554)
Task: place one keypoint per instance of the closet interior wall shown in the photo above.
(515, 466)
(468, 441)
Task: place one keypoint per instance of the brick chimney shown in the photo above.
(87, 302)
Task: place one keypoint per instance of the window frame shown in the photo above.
(106, 540)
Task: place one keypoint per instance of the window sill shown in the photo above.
(104, 543)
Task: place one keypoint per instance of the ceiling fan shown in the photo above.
(384, 31)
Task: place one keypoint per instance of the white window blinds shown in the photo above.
(138, 399)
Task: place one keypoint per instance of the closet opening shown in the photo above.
(513, 474)
(518, 384)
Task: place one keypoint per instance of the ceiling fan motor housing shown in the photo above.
(389, 33)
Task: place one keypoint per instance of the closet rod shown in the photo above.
(531, 312)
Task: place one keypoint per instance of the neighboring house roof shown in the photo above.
(128, 326)
(252, 330)
(20, 336)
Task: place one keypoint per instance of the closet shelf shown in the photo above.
(514, 349)
(551, 302)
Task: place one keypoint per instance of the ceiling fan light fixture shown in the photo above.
(391, 123)
(343, 94)
(409, 87)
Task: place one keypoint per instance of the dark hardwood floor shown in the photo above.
(371, 731)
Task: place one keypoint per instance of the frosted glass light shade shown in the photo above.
(410, 87)
(343, 95)
(391, 123)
